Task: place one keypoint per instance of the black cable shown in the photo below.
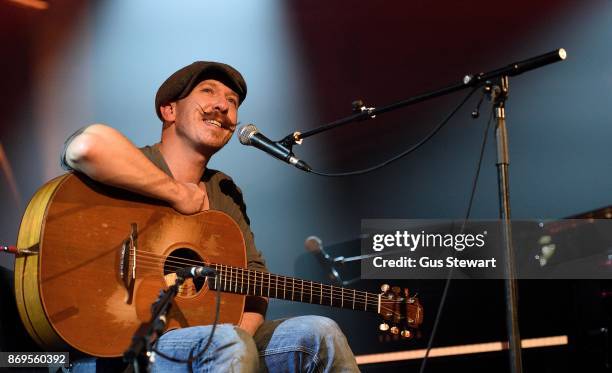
(406, 152)
(450, 272)
(208, 342)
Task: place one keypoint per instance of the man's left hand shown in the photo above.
(250, 322)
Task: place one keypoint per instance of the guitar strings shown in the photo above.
(307, 291)
(252, 273)
(236, 276)
(275, 281)
(193, 262)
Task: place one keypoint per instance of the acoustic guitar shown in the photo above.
(93, 259)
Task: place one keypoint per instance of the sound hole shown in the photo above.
(184, 257)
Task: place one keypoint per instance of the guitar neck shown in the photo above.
(251, 282)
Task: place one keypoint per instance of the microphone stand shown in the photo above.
(499, 94)
(140, 352)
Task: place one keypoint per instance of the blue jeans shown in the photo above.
(299, 344)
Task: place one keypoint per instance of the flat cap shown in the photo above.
(182, 82)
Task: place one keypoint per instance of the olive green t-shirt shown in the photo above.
(223, 195)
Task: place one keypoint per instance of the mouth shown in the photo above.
(213, 122)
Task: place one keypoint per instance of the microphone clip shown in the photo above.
(195, 272)
(290, 140)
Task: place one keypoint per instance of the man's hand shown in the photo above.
(251, 321)
(190, 198)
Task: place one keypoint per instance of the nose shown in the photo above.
(221, 104)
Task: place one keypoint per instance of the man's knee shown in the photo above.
(311, 340)
(230, 346)
(315, 332)
(234, 344)
(318, 327)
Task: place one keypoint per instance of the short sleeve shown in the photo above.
(63, 162)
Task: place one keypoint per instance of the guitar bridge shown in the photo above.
(127, 262)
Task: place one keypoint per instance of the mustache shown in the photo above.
(219, 117)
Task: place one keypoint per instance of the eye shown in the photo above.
(233, 101)
(207, 90)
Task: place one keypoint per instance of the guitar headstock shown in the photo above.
(398, 308)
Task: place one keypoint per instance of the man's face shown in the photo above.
(207, 117)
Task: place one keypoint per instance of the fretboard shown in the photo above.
(264, 284)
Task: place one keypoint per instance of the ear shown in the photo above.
(168, 112)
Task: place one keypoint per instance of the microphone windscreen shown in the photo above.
(245, 133)
(313, 244)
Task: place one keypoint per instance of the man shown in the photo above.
(198, 106)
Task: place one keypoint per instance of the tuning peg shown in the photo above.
(384, 288)
(383, 327)
(394, 330)
(407, 334)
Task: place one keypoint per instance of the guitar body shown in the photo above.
(101, 259)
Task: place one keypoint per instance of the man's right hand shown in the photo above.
(190, 198)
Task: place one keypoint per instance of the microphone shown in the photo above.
(195, 272)
(314, 245)
(250, 135)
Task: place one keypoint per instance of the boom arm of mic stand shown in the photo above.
(470, 80)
